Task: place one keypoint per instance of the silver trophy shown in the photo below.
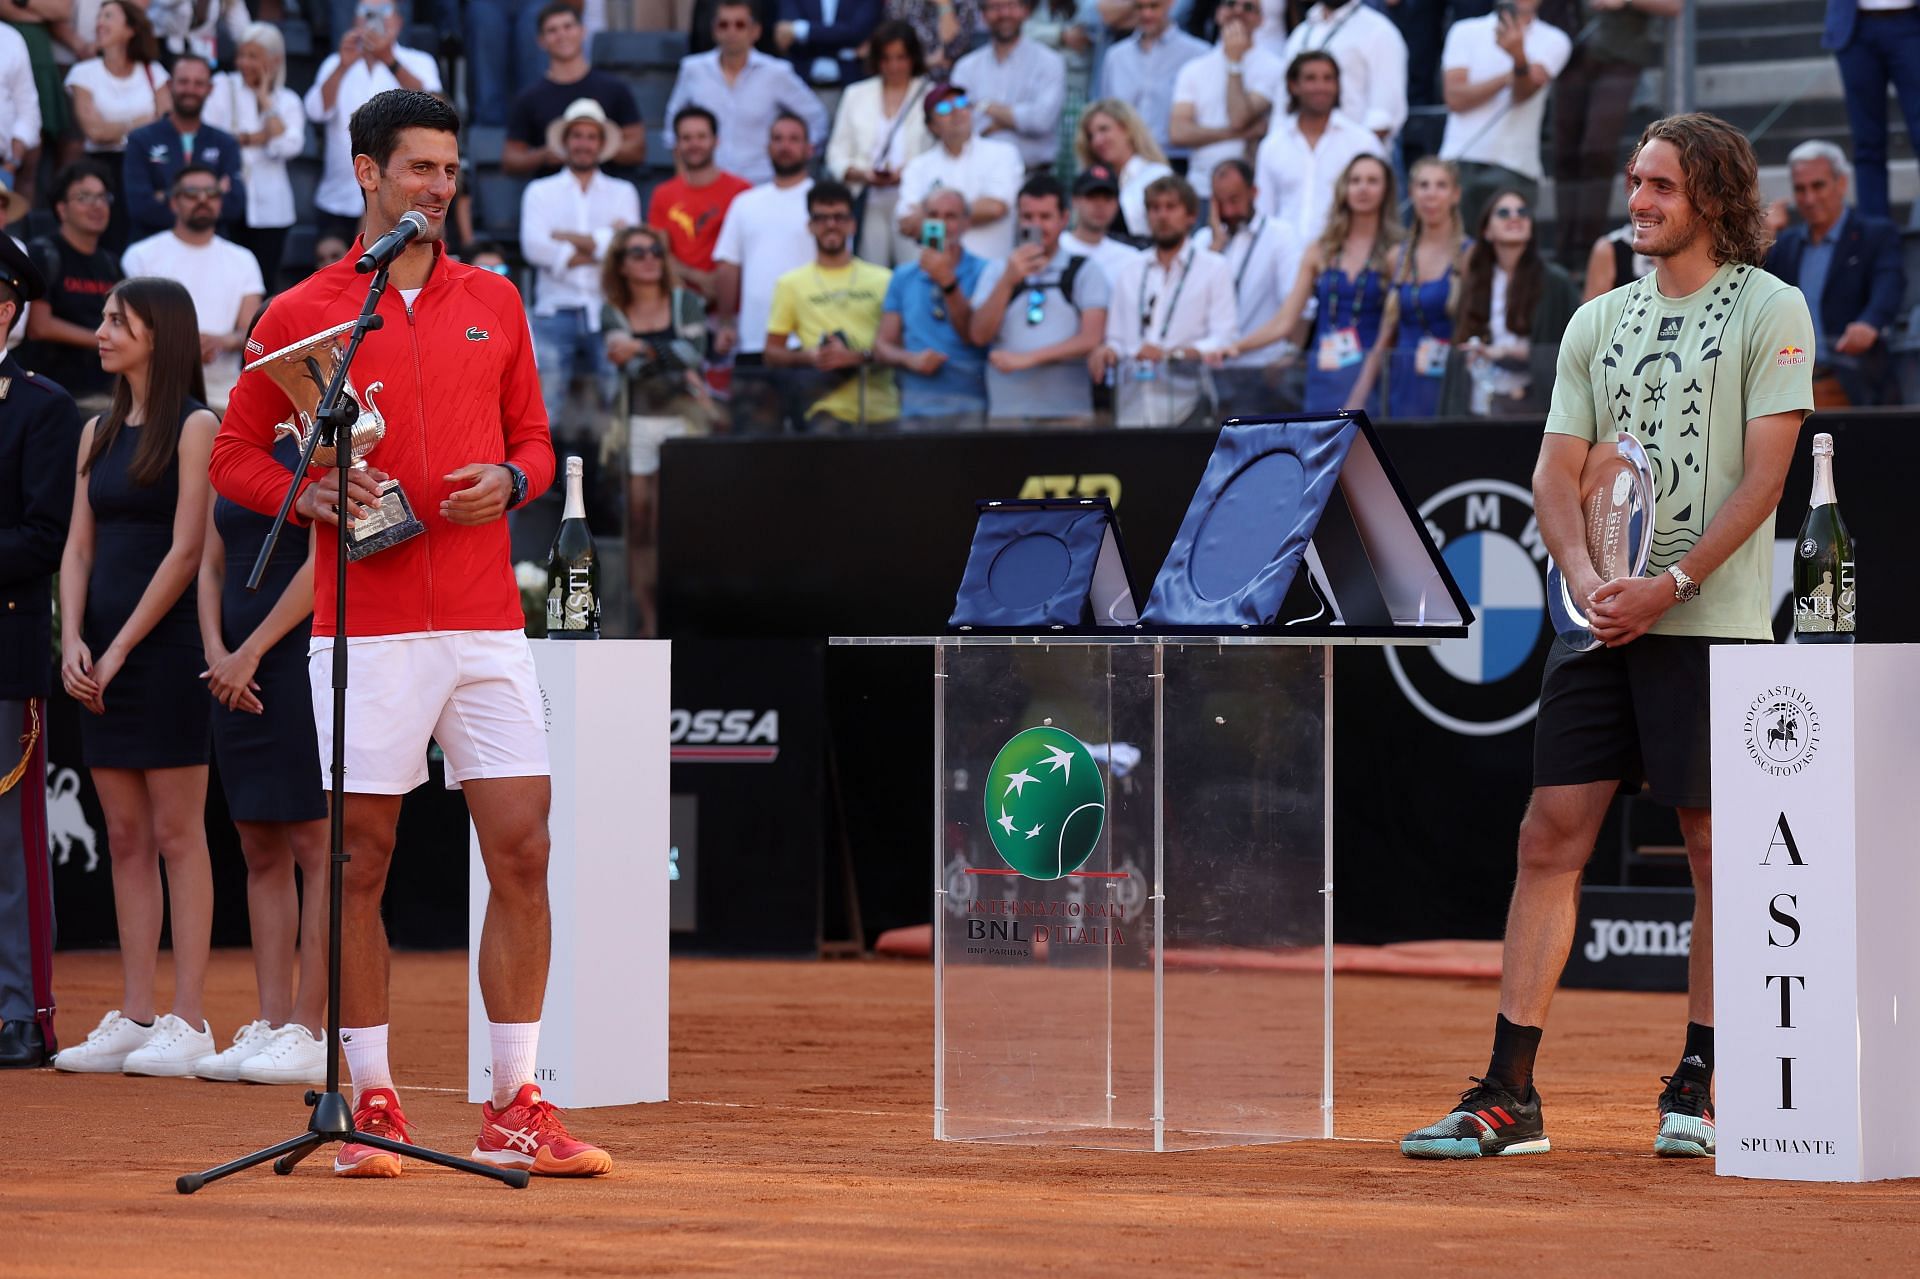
(1616, 497)
(303, 371)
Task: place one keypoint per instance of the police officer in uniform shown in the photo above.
(39, 439)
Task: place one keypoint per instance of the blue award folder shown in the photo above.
(1045, 564)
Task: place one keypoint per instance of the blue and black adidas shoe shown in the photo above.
(1490, 1120)
(1686, 1118)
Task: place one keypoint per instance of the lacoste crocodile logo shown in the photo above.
(477, 335)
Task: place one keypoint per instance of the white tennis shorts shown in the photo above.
(474, 692)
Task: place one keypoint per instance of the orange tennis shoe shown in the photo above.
(528, 1133)
(376, 1112)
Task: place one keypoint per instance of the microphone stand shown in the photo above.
(332, 1118)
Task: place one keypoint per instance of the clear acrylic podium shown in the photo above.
(1160, 977)
(1176, 991)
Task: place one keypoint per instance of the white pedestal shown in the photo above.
(1815, 886)
(603, 1038)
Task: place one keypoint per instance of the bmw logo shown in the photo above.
(1489, 682)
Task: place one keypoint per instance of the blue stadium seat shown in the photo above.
(639, 50)
(651, 89)
(296, 259)
(484, 144)
(299, 39)
(496, 201)
(423, 36)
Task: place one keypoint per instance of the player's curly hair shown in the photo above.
(1723, 182)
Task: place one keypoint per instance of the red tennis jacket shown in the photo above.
(457, 385)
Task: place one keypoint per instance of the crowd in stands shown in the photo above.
(813, 215)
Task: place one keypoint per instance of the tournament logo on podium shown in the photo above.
(1045, 803)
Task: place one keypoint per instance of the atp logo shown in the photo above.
(1045, 803)
(1489, 682)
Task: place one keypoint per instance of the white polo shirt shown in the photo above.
(1499, 130)
(985, 168)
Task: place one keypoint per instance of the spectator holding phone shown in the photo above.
(925, 324)
(878, 128)
(1043, 310)
(825, 316)
(1496, 72)
(370, 60)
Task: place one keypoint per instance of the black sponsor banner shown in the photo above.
(1631, 939)
(868, 536)
(748, 796)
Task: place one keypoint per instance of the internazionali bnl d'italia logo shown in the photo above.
(1045, 803)
(1782, 730)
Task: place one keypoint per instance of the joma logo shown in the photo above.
(1638, 937)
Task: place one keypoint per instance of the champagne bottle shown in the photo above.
(573, 571)
(1823, 587)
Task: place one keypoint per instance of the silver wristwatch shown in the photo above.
(1684, 587)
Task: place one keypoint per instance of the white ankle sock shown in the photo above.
(515, 1044)
(366, 1050)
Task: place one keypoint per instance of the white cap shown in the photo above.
(1823, 445)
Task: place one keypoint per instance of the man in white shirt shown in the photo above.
(1140, 70)
(1096, 207)
(746, 90)
(1496, 72)
(19, 115)
(765, 236)
(1373, 60)
(1263, 256)
(1018, 86)
(985, 170)
(1221, 98)
(566, 222)
(370, 60)
(1307, 148)
(223, 278)
(1171, 307)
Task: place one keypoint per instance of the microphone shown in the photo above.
(411, 226)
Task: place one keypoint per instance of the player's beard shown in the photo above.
(1667, 238)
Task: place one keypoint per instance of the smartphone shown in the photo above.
(933, 235)
(1505, 9)
(1029, 234)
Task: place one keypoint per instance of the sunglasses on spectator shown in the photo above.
(1511, 212)
(734, 25)
(1036, 305)
(198, 193)
(829, 219)
(951, 105)
(637, 252)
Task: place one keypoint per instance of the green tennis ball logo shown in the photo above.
(1045, 803)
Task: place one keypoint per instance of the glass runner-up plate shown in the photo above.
(1616, 498)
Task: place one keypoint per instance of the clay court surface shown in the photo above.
(798, 1143)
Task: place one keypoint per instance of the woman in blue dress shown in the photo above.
(130, 655)
(1416, 334)
(1347, 271)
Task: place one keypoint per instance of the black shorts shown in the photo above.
(1627, 714)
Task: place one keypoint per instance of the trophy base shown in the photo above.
(392, 523)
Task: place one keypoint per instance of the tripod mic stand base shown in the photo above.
(333, 1121)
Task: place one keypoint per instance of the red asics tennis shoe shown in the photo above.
(377, 1113)
(528, 1133)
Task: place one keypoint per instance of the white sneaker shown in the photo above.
(171, 1051)
(225, 1065)
(292, 1056)
(106, 1048)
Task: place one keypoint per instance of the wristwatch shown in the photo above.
(950, 286)
(1233, 68)
(1684, 587)
(519, 494)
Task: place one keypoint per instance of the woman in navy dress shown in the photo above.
(1416, 334)
(1347, 270)
(130, 655)
(268, 755)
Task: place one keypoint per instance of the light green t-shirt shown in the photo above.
(1685, 376)
(813, 302)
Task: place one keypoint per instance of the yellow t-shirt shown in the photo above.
(1686, 375)
(812, 301)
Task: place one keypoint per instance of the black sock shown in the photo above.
(1513, 1051)
(144, 1025)
(1697, 1059)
